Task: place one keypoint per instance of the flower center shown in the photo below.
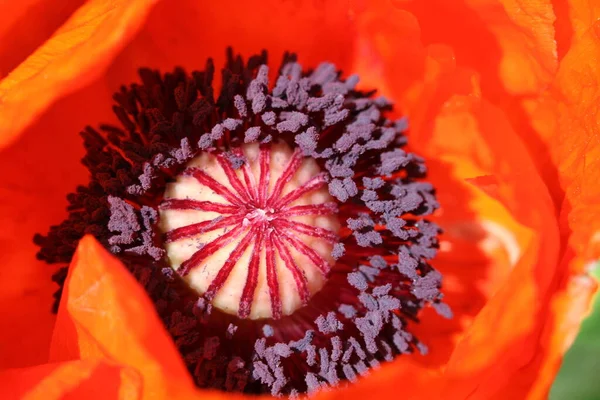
(290, 210)
(255, 240)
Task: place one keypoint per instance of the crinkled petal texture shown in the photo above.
(507, 155)
(569, 114)
(576, 150)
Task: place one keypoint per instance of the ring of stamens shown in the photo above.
(174, 125)
(255, 240)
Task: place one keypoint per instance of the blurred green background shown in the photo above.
(579, 376)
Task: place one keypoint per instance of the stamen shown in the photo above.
(280, 232)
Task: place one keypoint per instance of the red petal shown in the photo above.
(90, 379)
(573, 20)
(510, 43)
(25, 25)
(568, 119)
(575, 145)
(403, 380)
(74, 56)
(38, 171)
(105, 314)
(496, 39)
(187, 34)
(508, 328)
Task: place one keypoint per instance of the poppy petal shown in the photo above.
(29, 191)
(479, 123)
(572, 112)
(38, 170)
(573, 20)
(509, 43)
(479, 246)
(390, 57)
(89, 379)
(575, 144)
(473, 136)
(25, 25)
(106, 314)
(511, 46)
(187, 34)
(512, 328)
(76, 54)
(418, 383)
(482, 240)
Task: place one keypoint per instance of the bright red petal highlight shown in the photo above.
(90, 379)
(105, 314)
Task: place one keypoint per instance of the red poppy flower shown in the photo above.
(501, 103)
